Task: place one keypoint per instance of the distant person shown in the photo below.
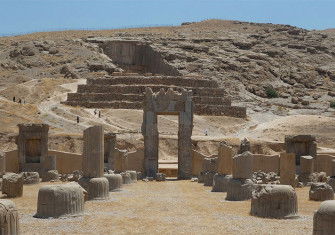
(95, 112)
(99, 114)
(77, 119)
(20, 101)
(206, 132)
(13, 98)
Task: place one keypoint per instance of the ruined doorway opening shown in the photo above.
(168, 145)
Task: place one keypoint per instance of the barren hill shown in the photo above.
(273, 70)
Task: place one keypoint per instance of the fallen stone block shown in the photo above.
(12, 185)
(321, 192)
(97, 188)
(239, 189)
(31, 177)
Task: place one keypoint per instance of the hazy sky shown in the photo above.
(24, 16)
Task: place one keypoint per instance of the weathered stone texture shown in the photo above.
(97, 188)
(243, 166)
(210, 164)
(220, 182)
(60, 200)
(169, 102)
(126, 178)
(324, 217)
(2, 163)
(239, 189)
(31, 177)
(9, 218)
(109, 150)
(208, 178)
(287, 169)
(225, 159)
(245, 146)
(12, 185)
(133, 175)
(93, 154)
(274, 201)
(301, 145)
(321, 192)
(115, 181)
(51, 175)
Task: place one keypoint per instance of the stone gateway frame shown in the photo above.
(168, 103)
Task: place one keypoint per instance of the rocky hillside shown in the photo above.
(257, 64)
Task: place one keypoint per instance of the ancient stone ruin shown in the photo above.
(93, 181)
(32, 144)
(321, 192)
(115, 181)
(109, 150)
(12, 185)
(60, 200)
(274, 201)
(9, 218)
(287, 169)
(301, 145)
(324, 217)
(169, 103)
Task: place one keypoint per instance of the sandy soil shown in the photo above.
(171, 207)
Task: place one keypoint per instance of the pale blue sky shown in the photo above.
(24, 16)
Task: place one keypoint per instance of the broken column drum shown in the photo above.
(133, 175)
(32, 144)
(220, 182)
(126, 178)
(93, 181)
(109, 150)
(50, 169)
(9, 218)
(306, 169)
(12, 185)
(168, 103)
(243, 166)
(274, 201)
(115, 181)
(60, 200)
(321, 192)
(324, 217)
(301, 145)
(225, 159)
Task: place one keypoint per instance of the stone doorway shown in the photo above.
(168, 103)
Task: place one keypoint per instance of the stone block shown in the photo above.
(12, 185)
(220, 182)
(331, 182)
(306, 164)
(126, 178)
(2, 163)
(324, 217)
(208, 178)
(60, 200)
(274, 201)
(225, 159)
(115, 181)
(51, 175)
(321, 192)
(97, 188)
(287, 169)
(243, 166)
(9, 218)
(133, 175)
(31, 177)
(239, 189)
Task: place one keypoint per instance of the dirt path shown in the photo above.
(172, 207)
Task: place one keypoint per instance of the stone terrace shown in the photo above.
(126, 91)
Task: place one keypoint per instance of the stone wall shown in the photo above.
(323, 163)
(266, 163)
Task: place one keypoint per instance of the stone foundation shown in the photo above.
(97, 188)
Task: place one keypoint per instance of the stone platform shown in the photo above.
(126, 91)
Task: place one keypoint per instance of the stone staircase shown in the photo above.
(126, 91)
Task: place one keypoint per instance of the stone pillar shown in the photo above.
(9, 218)
(287, 169)
(93, 159)
(243, 166)
(185, 141)
(306, 164)
(2, 163)
(225, 159)
(150, 132)
(109, 150)
(50, 163)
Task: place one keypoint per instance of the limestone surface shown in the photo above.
(31, 177)
(115, 181)
(60, 200)
(321, 192)
(12, 185)
(220, 182)
(331, 182)
(97, 188)
(243, 166)
(274, 201)
(324, 217)
(208, 178)
(126, 178)
(133, 175)
(239, 189)
(9, 218)
(287, 169)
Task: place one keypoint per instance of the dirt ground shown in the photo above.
(171, 207)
